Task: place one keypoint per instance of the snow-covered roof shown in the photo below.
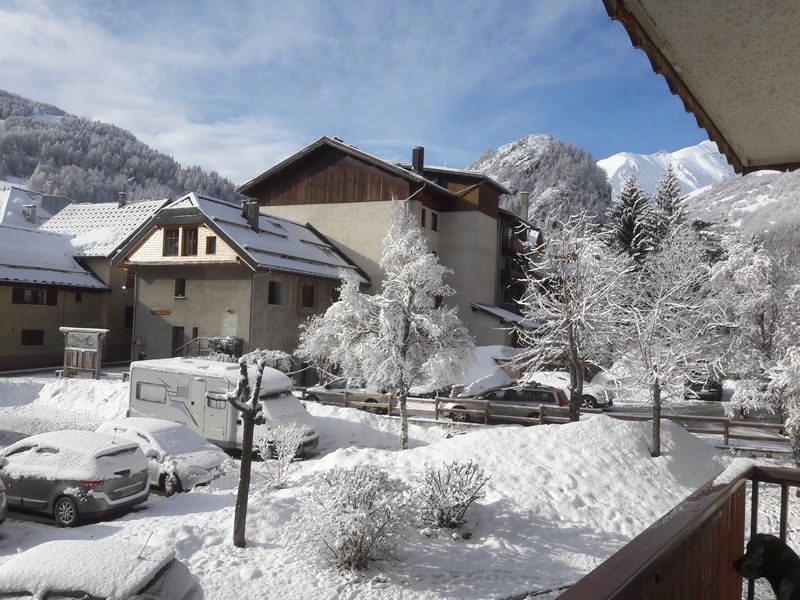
(452, 171)
(100, 229)
(101, 568)
(280, 244)
(43, 258)
(12, 200)
(505, 316)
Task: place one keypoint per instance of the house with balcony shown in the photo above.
(345, 193)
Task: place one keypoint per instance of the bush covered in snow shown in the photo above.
(278, 447)
(445, 493)
(352, 516)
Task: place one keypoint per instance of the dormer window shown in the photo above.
(171, 242)
(189, 241)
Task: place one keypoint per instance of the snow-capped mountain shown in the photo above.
(696, 167)
(560, 177)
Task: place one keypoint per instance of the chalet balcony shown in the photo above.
(689, 552)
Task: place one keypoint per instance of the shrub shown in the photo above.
(279, 444)
(445, 493)
(353, 516)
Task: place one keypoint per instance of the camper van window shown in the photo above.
(151, 392)
(212, 403)
(182, 391)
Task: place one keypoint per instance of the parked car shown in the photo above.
(178, 458)
(594, 395)
(333, 392)
(74, 475)
(97, 569)
(506, 401)
(702, 385)
(3, 502)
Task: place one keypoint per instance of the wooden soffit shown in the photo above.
(735, 64)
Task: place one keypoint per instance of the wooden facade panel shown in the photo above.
(151, 249)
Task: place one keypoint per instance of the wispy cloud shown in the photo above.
(235, 87)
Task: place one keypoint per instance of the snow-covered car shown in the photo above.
(507, 402)
(594, 395)
(3, 503)
(179, 459)
(74, 475)
(286, 409)
(702, 385)
(95, 569)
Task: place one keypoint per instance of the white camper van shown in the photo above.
(174, 389)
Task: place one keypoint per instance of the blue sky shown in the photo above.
(236, 86)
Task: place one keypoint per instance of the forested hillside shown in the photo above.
(561, 178)
(89, 161)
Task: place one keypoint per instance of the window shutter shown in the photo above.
(18, 295)
(52, 297)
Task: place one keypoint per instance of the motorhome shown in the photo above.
(179, 389)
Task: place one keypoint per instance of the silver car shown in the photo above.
(74, 475)
(333, 393)
(96, 569)
(503, 404)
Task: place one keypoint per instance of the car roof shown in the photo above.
(100, 568)
(88, 443)
(146, 424)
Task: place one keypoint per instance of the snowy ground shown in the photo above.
(560, 500)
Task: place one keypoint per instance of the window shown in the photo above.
(211, 244)
(336, 294)
(130, 279)
(180, 288)
(274, 292)
(212, 403)
(32, 337)
(177, 341)
(40, 296)
(78, 297)
(435, 221)
(195, 333)
(151, 392)
(422, 220)
(307, 296)
(128, 323)
(171, 237)
(189, 241)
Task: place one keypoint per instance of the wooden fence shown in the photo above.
(486, 412)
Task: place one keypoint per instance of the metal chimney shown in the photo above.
(252, 215)
(418, 159)
(122, 199)
(523, 205)
(29, 212)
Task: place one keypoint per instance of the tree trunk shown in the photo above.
(403, 421)
(575, 392)
(240, 516)
(655, 446)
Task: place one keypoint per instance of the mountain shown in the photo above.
(48, 150)
(561, 178)
(696, 167)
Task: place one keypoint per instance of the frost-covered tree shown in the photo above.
(400, 336)
(570, 283)
(278, 448)
(631, 226)
(244, 399)
(783, 396)
(672, 323)
(668, 205)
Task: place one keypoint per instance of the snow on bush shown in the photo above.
(279, 444)
(445, 493)
(351, 517)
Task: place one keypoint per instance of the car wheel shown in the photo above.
(65, 512)
(374, 411)
(312, 398)
(171, 484)
(460, 417)
(588, 402)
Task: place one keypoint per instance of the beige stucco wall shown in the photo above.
(217, 302)
(118, 341)
(67, 312)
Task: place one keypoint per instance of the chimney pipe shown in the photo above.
(122, 199)
(252, 215)
(418, 159)
(29, 212)
(523, 205)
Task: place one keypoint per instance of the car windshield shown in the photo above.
(177, 440)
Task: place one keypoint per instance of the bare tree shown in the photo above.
(570, 282)
(246, 401)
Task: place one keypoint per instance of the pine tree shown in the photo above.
(631, 225)
(669, 205)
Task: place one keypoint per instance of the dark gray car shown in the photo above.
(506, 404)
(74, 475)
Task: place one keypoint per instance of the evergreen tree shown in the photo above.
(669, 211)
(631, 224)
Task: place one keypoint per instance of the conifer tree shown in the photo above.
(668, 205)
(631, 225)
